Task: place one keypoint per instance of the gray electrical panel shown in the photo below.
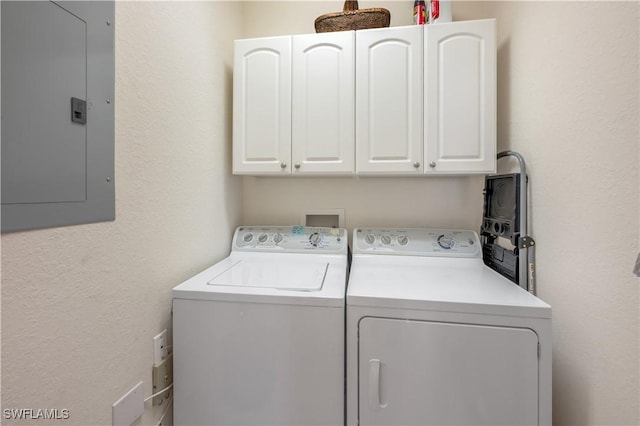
(57, 94)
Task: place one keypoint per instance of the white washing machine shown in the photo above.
(259, 337)
(434, 337)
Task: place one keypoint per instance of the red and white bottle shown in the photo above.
(439, 11)
(419, 12)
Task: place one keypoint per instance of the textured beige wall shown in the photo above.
(568, 89)
(568, 97)
(81, 304)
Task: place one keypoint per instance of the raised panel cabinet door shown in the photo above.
(323, 103)
(460, 97)
(389, 115)
(432, 373)
(262, 106)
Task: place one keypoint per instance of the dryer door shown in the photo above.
(428, 373)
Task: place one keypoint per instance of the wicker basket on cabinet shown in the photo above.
(352, 18)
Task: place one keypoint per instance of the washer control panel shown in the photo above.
(292, 239)
(417, 242)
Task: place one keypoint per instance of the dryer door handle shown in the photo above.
(374, 385)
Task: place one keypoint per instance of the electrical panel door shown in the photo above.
(57, 113)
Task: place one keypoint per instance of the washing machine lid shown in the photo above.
(275, 278)
(300, 276)
(440, 284)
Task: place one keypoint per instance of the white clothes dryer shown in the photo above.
(434, 337)
(259, 336)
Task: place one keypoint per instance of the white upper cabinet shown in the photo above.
(262, 106)
(389, 101)
(414, 100)
(323, 103)
(460, 97)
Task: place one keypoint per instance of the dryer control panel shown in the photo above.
(291, 239)
(417, 242)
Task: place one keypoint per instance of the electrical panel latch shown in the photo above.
(78, 111)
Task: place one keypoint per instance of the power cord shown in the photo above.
(158, 393)
(164, 413)
(166, 409)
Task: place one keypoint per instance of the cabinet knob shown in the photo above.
(297, 166)
(283, 165)
(432, 164)
(416, 164)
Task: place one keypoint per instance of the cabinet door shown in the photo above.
(460, 97)
(262, 106)
(323, 103)
(430, 373)
(389, 101)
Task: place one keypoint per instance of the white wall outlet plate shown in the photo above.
(160, 350)
(162, 376)
(127, 409)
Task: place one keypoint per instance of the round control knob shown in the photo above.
(446, 241)
(247, 237)
(369, 238)
(262, 238)
(277, 238)
(403, 240)
(386, 240)
(315, 239)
